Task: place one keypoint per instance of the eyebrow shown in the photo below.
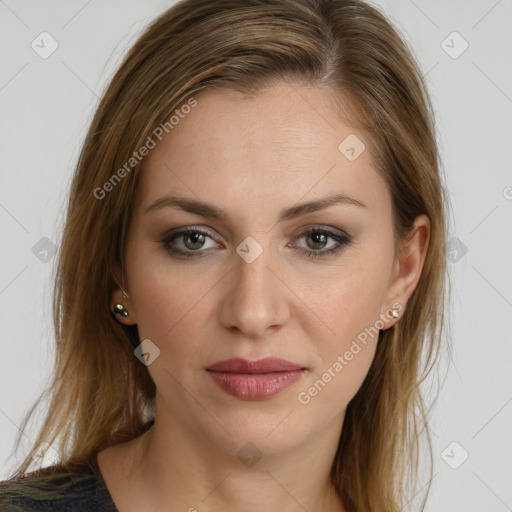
(214, 212)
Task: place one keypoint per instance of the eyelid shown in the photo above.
(176, 233)
(185, 229)
(323, 227)
(302, 231)
(340, 237)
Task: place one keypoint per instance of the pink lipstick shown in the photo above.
(255, 380)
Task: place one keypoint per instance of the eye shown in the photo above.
(193, 240)
(189, 242)
(318, 237)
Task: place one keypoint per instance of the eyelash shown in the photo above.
(342, 241)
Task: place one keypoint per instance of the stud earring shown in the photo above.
(395, 313)
(120, 310)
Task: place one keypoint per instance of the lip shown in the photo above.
(265, 365)
(255, 380)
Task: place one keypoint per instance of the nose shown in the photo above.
(257, 301)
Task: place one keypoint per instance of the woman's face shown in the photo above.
(252, 282)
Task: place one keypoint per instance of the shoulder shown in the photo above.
(54, 489)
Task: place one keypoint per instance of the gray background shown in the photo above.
(47, 103)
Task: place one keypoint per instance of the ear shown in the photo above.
(407, 268)
(121, 295)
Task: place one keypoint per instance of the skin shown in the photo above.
(253, 157)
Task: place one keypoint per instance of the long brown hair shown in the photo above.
(100, 394)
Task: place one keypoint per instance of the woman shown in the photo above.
(251, 281)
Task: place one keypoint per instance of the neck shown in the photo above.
(171, 466)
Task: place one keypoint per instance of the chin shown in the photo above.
(257, 434)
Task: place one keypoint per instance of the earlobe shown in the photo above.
(393, 315)
(121, 305)
(122, 308)
(119, 309)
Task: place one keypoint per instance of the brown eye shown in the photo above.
(317, 239)
(196, 240)
(188, 242)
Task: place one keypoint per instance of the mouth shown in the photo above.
(255, 380)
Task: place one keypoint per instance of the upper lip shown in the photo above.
(266, 365)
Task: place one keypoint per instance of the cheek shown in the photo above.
(344, 357)
(170, 301)
(352, 313)
(355, 299)
(328, 393)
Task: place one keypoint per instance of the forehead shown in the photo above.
(282, 144)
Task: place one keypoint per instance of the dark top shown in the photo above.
(83, 490)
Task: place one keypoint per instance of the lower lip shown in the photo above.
(255, 386)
